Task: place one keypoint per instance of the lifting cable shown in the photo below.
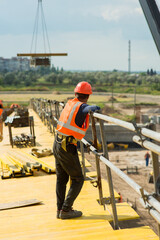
(40, 14)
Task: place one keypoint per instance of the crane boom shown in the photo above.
(152, 15)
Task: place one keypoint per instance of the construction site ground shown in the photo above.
(130, 158)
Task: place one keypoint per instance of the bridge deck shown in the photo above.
(39, 221)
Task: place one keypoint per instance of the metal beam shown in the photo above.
(40, 54)
(152, 15)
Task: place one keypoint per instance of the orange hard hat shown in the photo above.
(83, 87)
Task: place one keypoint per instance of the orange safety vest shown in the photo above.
(66, 124)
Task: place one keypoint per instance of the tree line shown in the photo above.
(54, 78)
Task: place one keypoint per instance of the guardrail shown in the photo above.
(49, 112)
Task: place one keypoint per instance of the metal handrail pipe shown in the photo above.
(151, 200)
(93, 149)
(152, 212)
(61, 104)
(147, 144)
(151, 134)
(114, 120)
(128, 180)
(144, 131)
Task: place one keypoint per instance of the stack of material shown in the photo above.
(16, 164)
(24, 140)
(21, 164)
(45, 165)
(10, 168)
(24, 161)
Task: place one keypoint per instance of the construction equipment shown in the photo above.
(150, 177)
(152, 15)
(23, 139)
(20, 119)
(132, 170)
(41, 152)
(118, 146)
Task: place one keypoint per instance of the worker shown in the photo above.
(147, 156)
(1, 104)
(72, 126)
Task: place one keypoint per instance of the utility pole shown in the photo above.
(129, 56)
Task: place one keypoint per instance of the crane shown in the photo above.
(43, 58)
(152, 15)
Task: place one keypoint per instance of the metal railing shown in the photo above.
(49, 112)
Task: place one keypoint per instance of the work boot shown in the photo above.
(58, 213)
(70, 214)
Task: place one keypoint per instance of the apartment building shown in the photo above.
(14, 64)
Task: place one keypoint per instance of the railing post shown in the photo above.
(99, 183)
(155, 163)
(109, 176)
(57, 110)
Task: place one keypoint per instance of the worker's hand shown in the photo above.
(94, 108)
(97, 108)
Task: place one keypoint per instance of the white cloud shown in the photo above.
(95, 51)
(115, 13)
(85, 29)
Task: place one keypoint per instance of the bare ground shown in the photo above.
(131, 158)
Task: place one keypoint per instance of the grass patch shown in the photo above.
(127, 118)
(142, 104)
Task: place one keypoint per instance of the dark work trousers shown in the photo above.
(67, 164)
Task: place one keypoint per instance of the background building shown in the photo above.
(14, 64)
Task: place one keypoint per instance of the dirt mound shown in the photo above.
(112, 99)
(109, 110)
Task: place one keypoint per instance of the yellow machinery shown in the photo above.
(112, 146)
(150, 177)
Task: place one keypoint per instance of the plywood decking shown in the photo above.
(40, 222)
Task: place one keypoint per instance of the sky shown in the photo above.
(94, 33)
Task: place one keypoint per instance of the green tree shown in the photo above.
(9, 79)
